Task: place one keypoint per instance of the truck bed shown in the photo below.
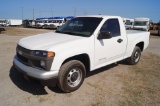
(134, 31)
(135, 36)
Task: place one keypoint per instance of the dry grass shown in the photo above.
(18, 31)
(154, 32)
(142, 86)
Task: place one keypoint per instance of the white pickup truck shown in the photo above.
(82, 44)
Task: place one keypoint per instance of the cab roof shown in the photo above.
(100, 16)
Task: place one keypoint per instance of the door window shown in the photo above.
(111, 26)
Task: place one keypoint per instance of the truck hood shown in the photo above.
(47, 40)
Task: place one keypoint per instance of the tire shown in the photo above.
(71, 76)
(135, 57)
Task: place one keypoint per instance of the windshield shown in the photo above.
(140, 23)
(81, 26)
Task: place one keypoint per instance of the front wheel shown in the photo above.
(71, 76)
(135, 57)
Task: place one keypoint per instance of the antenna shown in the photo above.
(22, 12)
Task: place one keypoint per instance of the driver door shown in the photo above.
(109, 50)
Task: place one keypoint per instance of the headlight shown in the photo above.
(43, 53)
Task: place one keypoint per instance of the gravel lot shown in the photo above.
(114, 85)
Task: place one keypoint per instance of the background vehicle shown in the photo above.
(51, 22)
(28, 23)
(39, 23)
(82, 44)
(141, 24)
(128, 23)
(2, 22)
(48, 23)
(13, 22)
(56, 23)
(59, 21)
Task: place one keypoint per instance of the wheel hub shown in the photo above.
(74, 77)
(136, 57)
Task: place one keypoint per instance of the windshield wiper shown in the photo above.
(71, 33)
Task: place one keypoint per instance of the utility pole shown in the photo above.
(74, 11)
(33, 13)
(51, 11)
(40, 13)
(85, 12)
(51, 7)
(22, 12)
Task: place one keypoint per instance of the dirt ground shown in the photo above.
(114, 85)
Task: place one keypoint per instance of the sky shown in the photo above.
(29, 9)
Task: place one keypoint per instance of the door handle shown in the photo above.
(119, 40)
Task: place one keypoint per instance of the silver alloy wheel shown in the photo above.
(74, 77)
(136, 57)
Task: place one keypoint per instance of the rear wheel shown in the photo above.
(71, 76)
(135, 57)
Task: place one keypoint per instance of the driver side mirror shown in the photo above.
(104, 35)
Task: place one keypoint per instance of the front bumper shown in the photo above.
(42, 75)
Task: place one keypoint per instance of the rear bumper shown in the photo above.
(48, 78)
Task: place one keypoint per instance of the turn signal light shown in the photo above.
(50, 54)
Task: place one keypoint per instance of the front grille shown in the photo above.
(25, 56)
(26, 59)
(23, 59)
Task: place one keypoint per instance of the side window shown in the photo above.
(112, 26)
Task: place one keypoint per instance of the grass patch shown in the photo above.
(92, 85)
(18, 31)
(153, 32)
(69, 94)
(142, 84)
(41, 100)
(98, 104)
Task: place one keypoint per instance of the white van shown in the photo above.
(128, 23)
(2, 22)
(141, 24)
(59, 21)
